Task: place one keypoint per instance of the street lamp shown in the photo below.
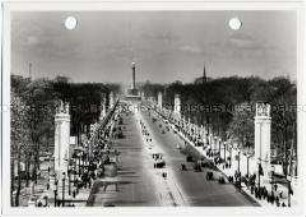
(83, 162)
(54, 189)
(272, 176)
(231, 154)
(74, 171)
(224, 149)
(289, 179)
(219, 147)
(69, 179)
(63, 192)
(259, 171)
(239, 152)
(79, 158)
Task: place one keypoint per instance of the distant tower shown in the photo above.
(160, 100)
(263, 139)
(62, 138)
(134, 75)
(204, 75)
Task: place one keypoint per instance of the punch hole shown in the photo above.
(235, 23)
(71, 22)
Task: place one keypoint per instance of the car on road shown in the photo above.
(159, 163)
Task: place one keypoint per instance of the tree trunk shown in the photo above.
(18, 183)
(27, 172)
(285, 160)
(37, 156)
(207, 122)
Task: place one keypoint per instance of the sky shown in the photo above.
(165, 45)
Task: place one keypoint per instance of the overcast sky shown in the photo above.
(166, 46)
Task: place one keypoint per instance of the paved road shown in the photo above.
(199, 191)
(138, 188)
(136, 167)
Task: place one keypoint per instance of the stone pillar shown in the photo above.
(62, 138)
(182, 123)
(177, 104)
(111, 100)
(216, 144)
(189, 126)
(196, 132)
(103, 110)
(142, 95)
(203, 135)
(263, 140)
(211, 140)
(194, 128)
(160, 100)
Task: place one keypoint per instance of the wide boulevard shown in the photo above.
(139, 184)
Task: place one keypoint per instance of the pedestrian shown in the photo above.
(275, 187)
(39, 204)
(73, 193)
(256, 192)
(183, 167)
(272, 198)
(236, 175)
(262, 190)
(231, 179)
(252, 189)
(277, 200)
(259, 194)
(264, 194)
(48, 185)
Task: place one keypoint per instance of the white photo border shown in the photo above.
(9, 7)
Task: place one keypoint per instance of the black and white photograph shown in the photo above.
(153, 108)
